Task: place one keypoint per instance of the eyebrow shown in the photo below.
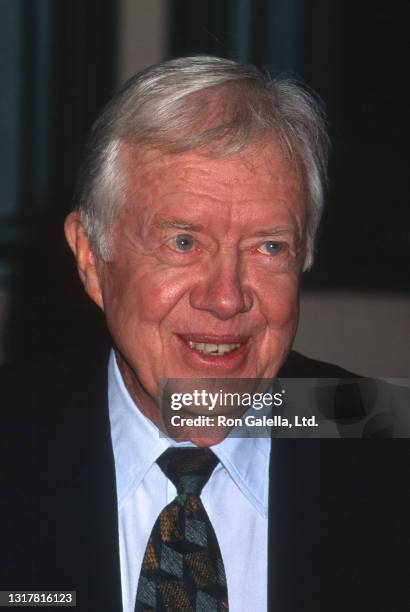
(276, 231)
(173, 222)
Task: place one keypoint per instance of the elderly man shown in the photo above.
(199, 202)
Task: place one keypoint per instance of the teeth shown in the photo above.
(213, 349)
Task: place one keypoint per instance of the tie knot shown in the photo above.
(188, 468)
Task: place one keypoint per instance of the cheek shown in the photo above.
(157, 295)
(280, 303)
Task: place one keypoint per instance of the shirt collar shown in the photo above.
(137, 445)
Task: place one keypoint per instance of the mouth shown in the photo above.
(214, 350)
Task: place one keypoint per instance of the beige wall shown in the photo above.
(368, 334)
(142, 31)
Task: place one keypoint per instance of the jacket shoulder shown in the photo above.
(51, 380)
(51, 405)
(297, 365)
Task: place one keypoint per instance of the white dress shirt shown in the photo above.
(235, 498)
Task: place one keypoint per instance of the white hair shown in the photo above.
(189, 103)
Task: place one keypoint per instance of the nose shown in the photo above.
(222, 290)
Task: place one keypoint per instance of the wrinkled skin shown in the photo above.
(204, 250)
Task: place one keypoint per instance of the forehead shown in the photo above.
(157, 181)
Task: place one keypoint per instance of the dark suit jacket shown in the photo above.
(339, 509)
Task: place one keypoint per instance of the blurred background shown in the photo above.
(60, 60)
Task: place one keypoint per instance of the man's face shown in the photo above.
(206, 259)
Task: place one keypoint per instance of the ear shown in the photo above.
(87, 262)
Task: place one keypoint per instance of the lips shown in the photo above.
(213, 349)
(204, 350)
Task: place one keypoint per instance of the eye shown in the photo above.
(270, 247)
(181, 242)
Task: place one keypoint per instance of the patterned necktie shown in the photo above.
(182, 569)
